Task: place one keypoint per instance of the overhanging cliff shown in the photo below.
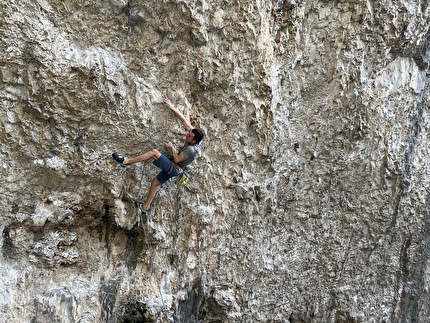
(311, 198)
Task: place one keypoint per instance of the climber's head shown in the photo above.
(194, 136)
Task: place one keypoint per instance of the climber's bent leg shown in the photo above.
(151, 194)
(154, 153)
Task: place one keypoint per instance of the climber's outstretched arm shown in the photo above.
(178, 113)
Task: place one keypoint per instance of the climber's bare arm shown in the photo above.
(177, 158)
(178, 113)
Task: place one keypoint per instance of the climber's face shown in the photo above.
(190, 137)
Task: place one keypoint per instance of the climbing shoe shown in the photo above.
(119, 159)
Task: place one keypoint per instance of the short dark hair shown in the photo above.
(198, 135)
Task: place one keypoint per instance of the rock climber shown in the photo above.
(170, 167)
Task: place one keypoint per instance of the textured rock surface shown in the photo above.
(310, 201)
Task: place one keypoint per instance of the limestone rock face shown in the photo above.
(310, 201)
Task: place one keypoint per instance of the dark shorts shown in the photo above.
(167, 169)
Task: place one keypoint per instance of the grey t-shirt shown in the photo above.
(190, 153)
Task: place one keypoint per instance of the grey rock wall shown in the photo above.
(310, 201)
